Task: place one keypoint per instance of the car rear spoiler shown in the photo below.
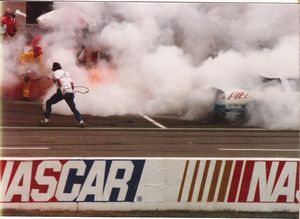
(282, 80)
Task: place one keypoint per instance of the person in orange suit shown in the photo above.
(27, 61)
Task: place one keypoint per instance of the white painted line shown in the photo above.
(127, 128)
(24, 148)
(156, 158)
(153, 121)
(259, 149)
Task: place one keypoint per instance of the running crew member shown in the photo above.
(65, 90)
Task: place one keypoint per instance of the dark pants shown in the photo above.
(58, 96)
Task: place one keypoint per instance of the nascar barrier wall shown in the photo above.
(150, 184)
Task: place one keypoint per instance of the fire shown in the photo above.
(102, 74)
(34, 89)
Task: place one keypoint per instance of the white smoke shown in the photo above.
(167, 57)
(276, 109)
(11, 49)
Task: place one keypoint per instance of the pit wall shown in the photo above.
(150, 184)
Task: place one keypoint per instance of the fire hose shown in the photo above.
(77, 89)
(81, 89)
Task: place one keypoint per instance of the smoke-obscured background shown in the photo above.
(166, 57)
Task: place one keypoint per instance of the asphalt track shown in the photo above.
(135, 136)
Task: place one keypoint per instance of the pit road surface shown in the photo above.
(135, 136)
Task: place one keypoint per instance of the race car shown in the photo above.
(234, 105)
(230, 105)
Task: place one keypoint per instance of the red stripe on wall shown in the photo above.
(235, 181)
(246, 180)
(203, 181)
(297, 183)
(225, 180)
(193, 181)
(214, 181)
(183, 180)
(2, 167)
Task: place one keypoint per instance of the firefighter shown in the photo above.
(9, 23)
(28, 60)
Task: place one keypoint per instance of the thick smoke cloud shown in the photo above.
(167, 57)
(10, 54)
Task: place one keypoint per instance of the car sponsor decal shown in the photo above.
(70, 180)
(240, 181)
(238, 95)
